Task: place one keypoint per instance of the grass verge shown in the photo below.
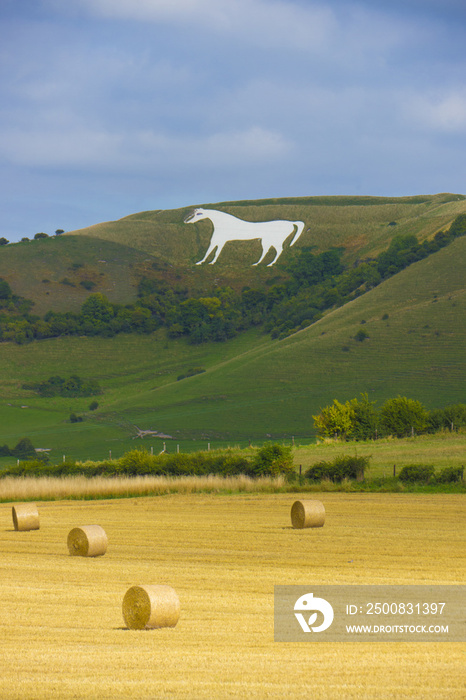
(95, 488)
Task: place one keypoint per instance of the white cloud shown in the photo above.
(71, 148)
(271, 23)
(441, 112)
(99, 150)
(252, 145)
(347, 36)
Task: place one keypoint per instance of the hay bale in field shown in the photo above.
(309, 513)
(87, 541)
(149, 607)
(25, 516)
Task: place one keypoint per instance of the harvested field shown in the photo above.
(61, 624)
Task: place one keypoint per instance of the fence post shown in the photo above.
(394, 471)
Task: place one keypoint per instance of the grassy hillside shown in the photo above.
(274, 389)
(253, 387)
(359, 224)
(50, 271)
(58, 272)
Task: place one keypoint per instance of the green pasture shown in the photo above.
(254, 388)
(126, 367)
(386, 455)
(274, 389)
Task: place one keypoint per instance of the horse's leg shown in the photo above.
(211, 248)
(277, 255)
(220, 247)
(264, 252)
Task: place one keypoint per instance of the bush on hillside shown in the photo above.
(72, 387)
(5, 289)
(75, 419)
(336, 420)
(401, 417)
(450, 475)
(24, 449)
(343, 467)
(419, 473)
(140, 462)
(448, 418)
(361, 335)
(458, 227)
(272, 460)
(365, 419)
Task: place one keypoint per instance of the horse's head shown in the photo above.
(197, 215)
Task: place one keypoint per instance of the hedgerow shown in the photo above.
(343, 467)
(270, 460)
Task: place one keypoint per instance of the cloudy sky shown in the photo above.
(110, 107)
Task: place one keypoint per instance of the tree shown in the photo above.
(75, 419)
(448, 418)
(24, 449)
(272, 460)
(336, 420)
(402, 416)
(361, 335)
(3, 241)
(40, 235)
(59, 231)
(97, 308)
(5, 290)
(366, 418)
(399, 254)
(458, 227)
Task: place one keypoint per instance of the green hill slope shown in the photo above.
(253, 387)
(362, 225)
(419, 350)
(58, 273)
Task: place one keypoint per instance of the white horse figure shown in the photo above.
(271, 234)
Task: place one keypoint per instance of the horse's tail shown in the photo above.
(299, 229)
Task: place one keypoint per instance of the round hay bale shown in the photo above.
(149, 607)
(309, 513)
(87, 541)
(25, 516)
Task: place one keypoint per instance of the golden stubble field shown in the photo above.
(61, 625)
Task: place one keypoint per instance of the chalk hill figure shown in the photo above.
(271, 234)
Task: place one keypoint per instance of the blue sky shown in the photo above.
(110, 107)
